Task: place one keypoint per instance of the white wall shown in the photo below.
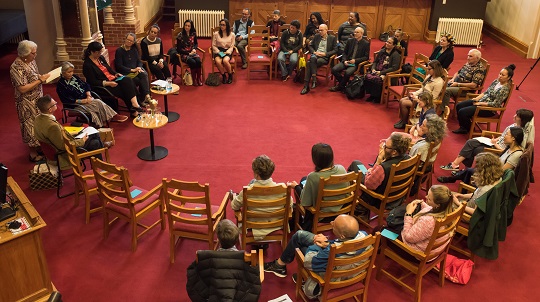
(146, 10)
(519, 19)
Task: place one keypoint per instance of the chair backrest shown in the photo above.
(419, 63)
(523, 170)
(187, 202)
(486, 65)
(400, 180)
(445, 85)
(258, 41)
(175, 32)
(353, 268)
(75, 159)
(265, 208)
(337, 191)
(432, 152)
(442, 234)
(114, 185)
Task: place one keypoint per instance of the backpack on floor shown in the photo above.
(300, 74)
(213, 79)
(355, 88)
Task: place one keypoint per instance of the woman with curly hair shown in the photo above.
(488, 173)
(444, 53)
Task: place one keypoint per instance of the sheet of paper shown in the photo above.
(161, 83)
(87, 130)
(484, 140)
(284, 298)
(55, 74)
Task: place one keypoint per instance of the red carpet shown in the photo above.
(220, 131)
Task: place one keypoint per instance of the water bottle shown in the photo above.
(168, 87)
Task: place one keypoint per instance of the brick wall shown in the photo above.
(114, 34)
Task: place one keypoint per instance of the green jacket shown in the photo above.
(493, 214)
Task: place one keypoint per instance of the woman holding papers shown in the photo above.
(523, 118)
(98, 73)
(222, 48)
(27, 81)
(186, 46)
(75, 93)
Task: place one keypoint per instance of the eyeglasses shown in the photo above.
(223, 25)
(54, 104)
(386, 147)
(154, 32)
(130, 41)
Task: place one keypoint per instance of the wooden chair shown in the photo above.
(424, 262)
(53, 153)
(424, 174)
(259, 52)
(84, 180)
(324, 70)
(328, 197)
(233, 59)
(276, 64)
(354, 278)
(124, 200)
(190, 212)
(400, 182)
(462, 229)
(368, 66)
(464, 90)
(265, 208)
(184, 66)
(398, 91)
(497, 118)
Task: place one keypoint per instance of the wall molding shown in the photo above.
(505, 39)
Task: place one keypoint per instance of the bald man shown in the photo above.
(316, 248)
(321, 48)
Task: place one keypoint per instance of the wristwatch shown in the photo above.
(407, 214)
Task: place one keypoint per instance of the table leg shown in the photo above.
(172, 116)
(153, 152)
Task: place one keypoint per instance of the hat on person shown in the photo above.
(276, 12)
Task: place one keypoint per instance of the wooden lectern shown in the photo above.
(23, 268)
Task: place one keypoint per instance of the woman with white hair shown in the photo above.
(27, 81)
(75, 93)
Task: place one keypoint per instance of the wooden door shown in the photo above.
(369, 11)
(416, 14)
(235, 10)
(261, 9)
(295, 10)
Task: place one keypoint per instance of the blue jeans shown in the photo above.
(302, 240)
(282, 59)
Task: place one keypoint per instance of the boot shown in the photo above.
(224, 75)
(230, 78)
(199, 76)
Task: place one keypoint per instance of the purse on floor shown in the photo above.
(44, 176)
(188, 80)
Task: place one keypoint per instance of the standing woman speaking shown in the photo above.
(27, 81)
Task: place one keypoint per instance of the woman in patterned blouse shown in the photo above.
(495, 96)
(186, 45)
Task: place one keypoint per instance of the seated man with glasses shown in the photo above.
(128, 63)
(48, 130)
(240, 30)
(393, 150)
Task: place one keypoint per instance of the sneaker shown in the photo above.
(244, 66)
(285, 78)
(460, 131)
(445, 179)
(273, 267)
(295, 277)
(119, 118)
(454, 173)
(449, 167)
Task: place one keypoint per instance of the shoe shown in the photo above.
(460, 131)
(224, 80)
(119, 118)
(446, 179)
(370, 99)
(273, 267)
(449, 167)
(454, 173)
(313, 82)
(229, 81)
(400, 125)
(285, 78)
(244, 66)
(336, 88)
(304, 90)
(139, 109)
(294, 277)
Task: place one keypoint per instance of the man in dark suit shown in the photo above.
(322, 47)
(356, 51)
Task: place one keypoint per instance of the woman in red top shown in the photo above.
(98, 73)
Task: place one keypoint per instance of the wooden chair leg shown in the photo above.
(418, 288)
(133, 235)
(171, 248)
(105, 224)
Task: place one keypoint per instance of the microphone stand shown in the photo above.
(517, 88)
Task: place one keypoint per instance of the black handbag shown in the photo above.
(396, 217)
(385, 35)
(213, 79)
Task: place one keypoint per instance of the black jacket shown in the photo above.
(94, 76)
(362, 53)
(222, 276)
(331, 45)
